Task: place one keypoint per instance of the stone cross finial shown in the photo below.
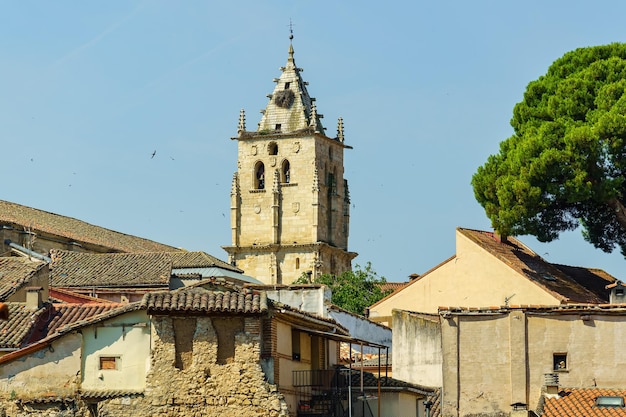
(241, 127)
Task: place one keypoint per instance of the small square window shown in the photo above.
(560, 361)
(109, 362)
(278, 126)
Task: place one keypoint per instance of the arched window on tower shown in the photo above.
(272, 148)
(259, 176)
(285, 172)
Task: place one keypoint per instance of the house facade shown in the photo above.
(501, 361)
(489, 271)
(193, 351)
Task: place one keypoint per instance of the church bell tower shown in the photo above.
(290, 206)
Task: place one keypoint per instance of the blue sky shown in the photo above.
(426, 91)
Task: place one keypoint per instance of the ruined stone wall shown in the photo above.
(190, 376)
(203, 379)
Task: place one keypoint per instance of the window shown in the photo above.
(272, 148)
(560, 361)
(286, 172)
(259, 176)
(610, 401)
(278, 126)
(109, 362)
(297, 263)
(295, 345)
(287, 86)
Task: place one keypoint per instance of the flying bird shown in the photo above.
(153, 153)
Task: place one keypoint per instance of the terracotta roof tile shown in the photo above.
(15, 332)
(582, 402)
(201, 300)
(20, 216)
(62, 315)
(583, 288)
(76, 269)
(199, 259)
(16, 272)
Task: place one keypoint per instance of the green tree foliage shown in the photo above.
(565, 164)
(352, 290)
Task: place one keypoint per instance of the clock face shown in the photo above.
(284, 98)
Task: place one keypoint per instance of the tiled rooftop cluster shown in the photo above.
(582, 403)
(201, 300)
(14, 272)
(76, 269)
(12, 214)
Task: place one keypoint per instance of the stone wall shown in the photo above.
(185, 380)
(201, 385)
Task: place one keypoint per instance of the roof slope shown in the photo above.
(290, 105)
(182, 259)
(585, 288)
(16, 272)
(15, 332)
(581, 403)
(76, 269)
(22, 216)
(200, 300)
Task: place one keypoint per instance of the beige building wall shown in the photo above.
(473, 278)
(493, 360)
(125, 339)
(417, 355)
(40, 373)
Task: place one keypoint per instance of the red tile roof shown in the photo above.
(200, 300)
(20, 216)
(581, 402)
(15, 332)
(16, 272)
(76, 269)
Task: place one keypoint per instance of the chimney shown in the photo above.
(551, 384)
(33, 298)
(500, 237)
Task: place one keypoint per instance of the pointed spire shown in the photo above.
(340, 129)
(290, 108)
(241, 127)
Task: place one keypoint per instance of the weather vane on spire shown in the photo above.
(290, 29)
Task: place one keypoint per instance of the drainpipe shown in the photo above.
(27, 251)
(427, 405)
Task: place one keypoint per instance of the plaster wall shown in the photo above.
(361, 328)
(417, 350)
(125, 338)
(53, 371)
(473, 278)
(309, 299)
(491, 361)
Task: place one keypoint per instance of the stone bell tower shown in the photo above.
(290, 206)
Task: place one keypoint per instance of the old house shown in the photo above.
(176, 352)
(498, 361)
(489, 271)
